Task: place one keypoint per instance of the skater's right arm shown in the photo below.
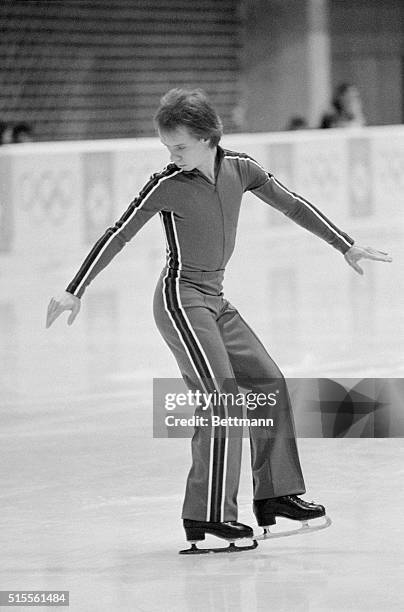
(151, 199)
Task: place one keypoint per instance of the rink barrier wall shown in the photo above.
(58, 198)
(64, 194)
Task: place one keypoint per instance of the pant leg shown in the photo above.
(274, 456)
(193, 336)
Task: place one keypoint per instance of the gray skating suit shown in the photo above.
(215, 349)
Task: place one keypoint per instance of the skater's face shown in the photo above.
(186, 151)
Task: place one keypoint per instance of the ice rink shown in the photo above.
(91, 502)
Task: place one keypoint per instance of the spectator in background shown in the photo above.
(297, 123)
(347, 108)
(6, 133)
(14, 134)
(22, 132)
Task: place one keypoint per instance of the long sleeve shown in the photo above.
(150, 200)
(266, 187)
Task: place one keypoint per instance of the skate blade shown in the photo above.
(305, 528)
(231, 548)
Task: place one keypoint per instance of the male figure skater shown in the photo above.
(198, 197)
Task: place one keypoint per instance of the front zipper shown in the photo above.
(223, 228)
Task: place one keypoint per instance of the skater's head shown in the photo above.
(188, 125)
(190, 109)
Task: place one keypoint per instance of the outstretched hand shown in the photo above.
(66, 301)
(355, 253)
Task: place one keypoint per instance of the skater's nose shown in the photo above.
(175, 158)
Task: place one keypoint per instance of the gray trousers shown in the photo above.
(217, 352)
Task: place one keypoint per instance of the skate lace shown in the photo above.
(301, 501)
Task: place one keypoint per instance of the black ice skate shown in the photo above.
(291, 507)
(231, 531)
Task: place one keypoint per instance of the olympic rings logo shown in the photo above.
(98, 205)
(47, 196)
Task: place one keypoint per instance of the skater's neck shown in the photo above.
(208, 166)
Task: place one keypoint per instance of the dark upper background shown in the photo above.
(81, 69)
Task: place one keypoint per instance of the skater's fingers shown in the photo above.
(50, 318)
(75, 311)
(54, 310)
(377, 255)
(52, 305)
(355, 266)
(376, 251)
(57, 305)
(50, 313)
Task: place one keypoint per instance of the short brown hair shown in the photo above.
(190, 109)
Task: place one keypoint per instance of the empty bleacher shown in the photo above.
(83, 70)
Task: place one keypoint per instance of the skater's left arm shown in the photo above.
(265, 186)
(302, 212)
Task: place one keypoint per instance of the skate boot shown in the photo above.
(231, 531)
(291, 507)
